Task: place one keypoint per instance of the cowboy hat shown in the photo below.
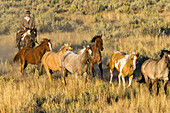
(28, 12)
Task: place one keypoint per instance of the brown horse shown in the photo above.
(96, 48)
(52, 60)
(31, 55)
(27, 42)
(26, 38)
(157, 70)
(125, 64)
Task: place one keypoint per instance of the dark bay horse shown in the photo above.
(52, 61)
(96, 48)
(32, 55)
(26, 38)
(156, 70)
(124, 63)
(75, 63)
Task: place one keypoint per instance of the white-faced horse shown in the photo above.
(74, 63)
(125, 64)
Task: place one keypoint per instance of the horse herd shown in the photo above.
(65, 60)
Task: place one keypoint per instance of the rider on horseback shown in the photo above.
(26, 23)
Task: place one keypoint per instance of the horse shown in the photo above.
(156, 70)
(26, 38)
(32, 55)
(52, 60)
(96, 48)
(75, 64)
(161, 55)
(124, 63)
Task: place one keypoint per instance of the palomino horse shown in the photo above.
(156, 70)
(74, 63)
(52, 60)
(125, 64)
(27, 38)
(32, 55)
(96, 48)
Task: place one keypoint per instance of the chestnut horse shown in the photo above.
(157, 70)
(32, 55)
(96, 48)
(52, 61)
(125, 64)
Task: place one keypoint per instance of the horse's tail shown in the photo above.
(18, 55)
(41, 69)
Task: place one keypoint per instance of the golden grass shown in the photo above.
(29, 93)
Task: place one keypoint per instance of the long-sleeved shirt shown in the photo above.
(27, 22)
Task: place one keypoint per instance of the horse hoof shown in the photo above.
(110, 84)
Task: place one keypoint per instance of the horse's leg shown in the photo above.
(130, 80)
(119, 78)
(91, 69)
(85, 77)
(22, 66)
(150, 86)
(157, 81)
(101, 70)
(111, 75)
(51, 71)
(64, 71)
(48, 72)
(123, 79)
(60, 69)
(41, 69)
(39, 63)
(165, 86)
(146, 80)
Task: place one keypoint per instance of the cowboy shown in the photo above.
(26, 23)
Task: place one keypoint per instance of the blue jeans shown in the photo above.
(17, 41)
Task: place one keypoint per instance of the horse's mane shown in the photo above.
(82, 50)
(42, 42)
(94, 38)
(162, 52)
(127, 56)
(62, 47)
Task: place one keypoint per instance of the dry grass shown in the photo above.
(32, 94)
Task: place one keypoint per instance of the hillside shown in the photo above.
(112, 18)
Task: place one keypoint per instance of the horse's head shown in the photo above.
(133, 58)
(87, 50)
(47, 44)
(167, 57)
(33, 32)
(67, 47)
(98, 42)
(166, 53)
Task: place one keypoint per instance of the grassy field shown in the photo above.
(29, 93)
(126, 25)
